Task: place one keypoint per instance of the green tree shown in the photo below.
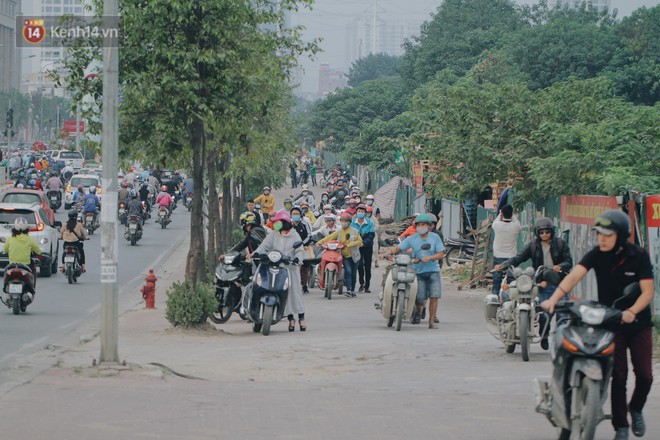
(373, 66)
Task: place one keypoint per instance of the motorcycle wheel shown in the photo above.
(524, 335)
(162, 223)
(311, 282)
(268, 320)
(69, 273)
(400, 308)
(510, 348)
(189, 208)
(584, 427)
(133, 240)
(256, 327)
(329, 284)
(455, 255)
(564, 434)
(16, 305)
(222, 314)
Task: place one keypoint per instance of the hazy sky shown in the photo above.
(328, 19)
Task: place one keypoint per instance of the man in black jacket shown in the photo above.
(546, 250)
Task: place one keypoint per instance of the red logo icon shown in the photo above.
(34, 31)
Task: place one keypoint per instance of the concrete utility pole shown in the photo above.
(373, 29)
(109, 228)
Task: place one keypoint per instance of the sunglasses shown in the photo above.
(545, 231)
(603, 222)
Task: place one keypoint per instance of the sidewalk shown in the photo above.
(347, 377)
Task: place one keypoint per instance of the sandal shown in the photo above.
(302, 326)
(292, 325)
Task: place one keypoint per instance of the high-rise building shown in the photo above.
(330, 79)
(10, 55)
(596, 4)
(387, 36)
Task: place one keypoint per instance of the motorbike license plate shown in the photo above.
(121, 211)
(162, 213)
(15, 288)
(69, 259)
(53, 199)
(132, 226)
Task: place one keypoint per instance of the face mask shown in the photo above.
(304, 193)
(295, 218)
(277, 225)
(423, 230)
(345, 225)
(370, 202)
(325, 199)
(360, 215)
(287, 206)
(266, 192)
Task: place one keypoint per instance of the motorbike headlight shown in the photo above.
(410, 276)
(524, 283)
(274, 256)
(333, 246)
(229, 259)
(592, 315)
(286, 284)
(403, 259)
(258, 279)
(43, 241)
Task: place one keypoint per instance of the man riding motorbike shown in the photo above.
(79, 196)
(54, 183)
(122, 194)
(164, 199)
(134, 207)
(92, 203)
(254, 234)
(73, 232)
(350, 238)
(20, 246)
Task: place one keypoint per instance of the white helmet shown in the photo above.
(370, 197)
(329, 217)
(327, 207)
(21, 224)
(92, 189)
(305, 187)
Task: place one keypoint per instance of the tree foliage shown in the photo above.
(371, 67)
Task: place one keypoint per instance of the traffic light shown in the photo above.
(10, 118)
(4, 133)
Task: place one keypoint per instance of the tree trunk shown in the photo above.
(213, 212)
(219, 241)
(195, 267)
(226, 211)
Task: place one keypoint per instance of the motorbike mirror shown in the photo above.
(551, 277)
(426, 247)
(297, 244)
(3, 239)
(348, 236)
(57, 224)
(529, 271)
(632, 289)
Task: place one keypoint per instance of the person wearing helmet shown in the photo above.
(307, 212)
(320, 221)
(618, 263)
(269, 223)
(266, 200)
(282, 239)
(144, 194)
(304, 229)
(20, 246)
(352, 207)
(122, 194)
(251, 208)
(164, 199)
(135, 207)
(324, 201)
(288, 204)
(54, 182)
(367, 231)
(130, 178)
(546, 250)
(329, 226)
(350, 238)
(429, 282)
(254, 233)
(20, 180)
(74, 233)
(305, 196)
(340, 193)
(410, 230)
(92, 203)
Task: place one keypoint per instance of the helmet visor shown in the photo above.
(604, 226)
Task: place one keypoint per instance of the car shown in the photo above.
(86, 180)
(46, 234)
(73, 158)
(16, 195)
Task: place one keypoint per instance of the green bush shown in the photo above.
(187, 306)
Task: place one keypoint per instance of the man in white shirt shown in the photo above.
(506, 230)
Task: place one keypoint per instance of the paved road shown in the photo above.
(58, 306)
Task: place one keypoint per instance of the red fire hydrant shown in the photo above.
(149, 289)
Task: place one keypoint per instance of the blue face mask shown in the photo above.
(360, 215)
(325, 199)
(295, 218)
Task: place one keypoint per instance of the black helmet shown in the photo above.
(614, 221)
(73, 213)
(544, 223)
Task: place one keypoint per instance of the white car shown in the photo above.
(45, 234)
(73, 158)
(86, 180)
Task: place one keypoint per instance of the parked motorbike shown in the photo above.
(397, 299)
(19, 284)
(54, 199)
(133, 233)
(459, 250)
(331, 271)
(231, 277)
(265, 298)
(582, 357)
(163, 216)
(513, 316)
(72, 267)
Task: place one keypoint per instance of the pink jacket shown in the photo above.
(164, 199)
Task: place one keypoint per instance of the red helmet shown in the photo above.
(282, 215)
(345, 216)
(124, 184)
(80, 187)
(163, 188)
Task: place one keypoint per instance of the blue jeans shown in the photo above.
(350, 267)
(545, 316)
(429, 285)
(497, 276)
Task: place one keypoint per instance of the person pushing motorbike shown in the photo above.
(618, 263)
(546, 250)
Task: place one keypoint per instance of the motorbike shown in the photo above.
(331, 270)
(54, 199)
(72, 267)
(266, 296)
(90, 222)
(397, 299)
(582, 357)
(122, 213)
(188, 201)
(231, 277)
(459, 250)
(513, 317)
(146, 208)
(133, 233)
(19, 284)
(163, 216)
